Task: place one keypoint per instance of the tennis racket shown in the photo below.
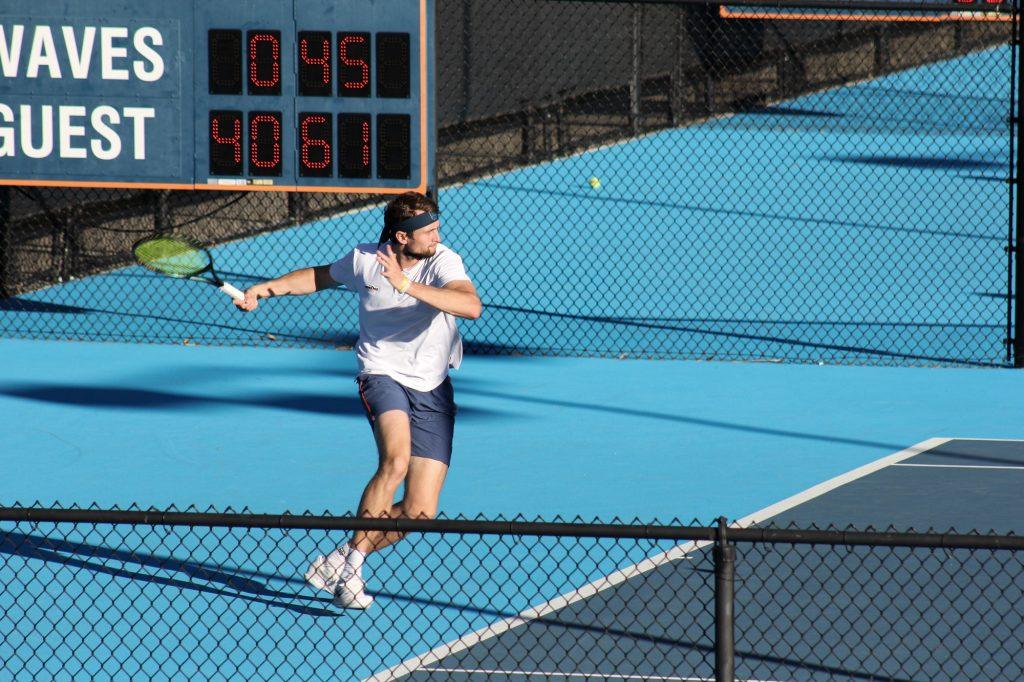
(182, 257)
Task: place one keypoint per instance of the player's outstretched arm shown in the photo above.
(297, 283)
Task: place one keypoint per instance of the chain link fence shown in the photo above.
(624, 179)
(184, 595)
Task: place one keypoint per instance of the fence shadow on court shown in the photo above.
(157, 591)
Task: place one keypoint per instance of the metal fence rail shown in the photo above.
(825, 190)
(167, 594)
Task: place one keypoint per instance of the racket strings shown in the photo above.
(172, 256)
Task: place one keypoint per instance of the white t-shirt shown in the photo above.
(399, 336)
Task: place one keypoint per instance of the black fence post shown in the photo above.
(709, 93)
(561, 135)
(62, 247)
(635, 82)
(725, 573)
(1013, 190)
(675, 101)
(1017, 338)
(296, 207)
(6, 245)
(161, 211)
(881, 52)
(526, 133)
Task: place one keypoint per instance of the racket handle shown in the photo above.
(232, 292)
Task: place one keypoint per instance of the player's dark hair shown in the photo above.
(401, 207)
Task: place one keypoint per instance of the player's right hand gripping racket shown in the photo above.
(182, 257)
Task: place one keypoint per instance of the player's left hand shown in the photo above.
(390, 267)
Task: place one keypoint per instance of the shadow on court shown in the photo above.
(923, 162)
(144, 399)
(623, 202)
(653, 324)
(27, 305)
(85, 556)
(240, 584)
(733, 328)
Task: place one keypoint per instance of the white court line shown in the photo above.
(960, 466)
(613, 579)
(990, 440)
(569, 676)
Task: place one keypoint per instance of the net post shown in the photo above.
(725, 573)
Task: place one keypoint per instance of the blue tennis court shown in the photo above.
(762, 264)
(943, 483)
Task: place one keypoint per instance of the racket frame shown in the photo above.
(213, 279)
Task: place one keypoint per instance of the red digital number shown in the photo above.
(323, 60)
(264, 62)
(354, 64)
(309, 143)
(226, 143)
(315, 77)
(354, 145)
(365, 139)
(235, 140)
(264, 132)
(315, 145)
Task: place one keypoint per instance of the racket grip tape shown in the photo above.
(232, 292)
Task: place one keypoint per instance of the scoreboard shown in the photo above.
(313, 95)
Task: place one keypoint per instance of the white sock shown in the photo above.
(336, 559)
(353, 564)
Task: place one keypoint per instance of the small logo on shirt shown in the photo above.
(372, 288)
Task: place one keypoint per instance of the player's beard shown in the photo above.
(409, 253)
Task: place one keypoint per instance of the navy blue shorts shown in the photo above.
(431, 413)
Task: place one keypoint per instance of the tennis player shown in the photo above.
(411, 288)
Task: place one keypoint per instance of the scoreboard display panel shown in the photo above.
(314, 95)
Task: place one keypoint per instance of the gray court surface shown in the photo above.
(802, 612)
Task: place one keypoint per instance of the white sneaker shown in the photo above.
(324, 576)
(351, 594)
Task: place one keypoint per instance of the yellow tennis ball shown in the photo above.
(594, 182)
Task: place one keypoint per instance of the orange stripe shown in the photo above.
(93, 183)
(726, 13)
(422, 189)
(366, 404)
(204, 187)
(305, 188)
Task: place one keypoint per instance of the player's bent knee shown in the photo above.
(394, 470)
